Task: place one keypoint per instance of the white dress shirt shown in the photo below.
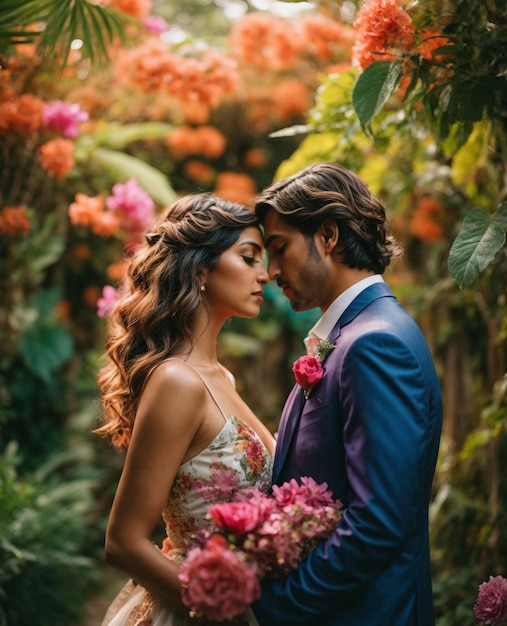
(325, 325)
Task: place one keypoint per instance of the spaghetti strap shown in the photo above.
(175, 358)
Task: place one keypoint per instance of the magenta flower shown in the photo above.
(155, 25)
(491, 605)
(217, 582)
(105, 304)
(134, 202)
(64, 117)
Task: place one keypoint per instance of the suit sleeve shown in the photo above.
(384, 403)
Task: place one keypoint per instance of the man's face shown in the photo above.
(295, 263)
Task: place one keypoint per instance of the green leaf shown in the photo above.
(123, 166)
(475, 247)
(373, 88)
(45, 344)
(118, 136)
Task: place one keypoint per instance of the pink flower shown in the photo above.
(236, 517)
(491, 604)
(64, 117)
(155, 25)
(217, 582)
(134, 202)
(268, 535)
(308, 371)
(105, 304)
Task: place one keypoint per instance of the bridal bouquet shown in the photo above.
(258, 535)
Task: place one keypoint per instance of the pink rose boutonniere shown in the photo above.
(308, 370)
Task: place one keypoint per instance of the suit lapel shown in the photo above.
(289, 423)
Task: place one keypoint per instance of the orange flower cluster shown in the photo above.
(190, 77)
(57, 156)
(89, 211)
(136, 8)
(14, 221)
(265, 41)
(205, 140)
(22, 114)
(236, 187)
(423, 224)
(200, 172)
(117, 271)
(431, 41)
(324, 38)
(255, 157)
(273, 43)
(382, 29)
(268, 106)
(290, 98)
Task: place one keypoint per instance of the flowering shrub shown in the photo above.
(258, 536)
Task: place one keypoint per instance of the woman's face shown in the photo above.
(235, 286)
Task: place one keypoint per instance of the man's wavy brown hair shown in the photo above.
(328, 191)
(160, 297)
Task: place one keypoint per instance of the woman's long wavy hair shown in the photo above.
(161, 294)
(328, 191)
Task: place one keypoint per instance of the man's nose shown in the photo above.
(273, 269)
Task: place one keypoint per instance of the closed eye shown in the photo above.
(250, 260)
(279, 251)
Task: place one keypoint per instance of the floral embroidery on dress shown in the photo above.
(235, 460)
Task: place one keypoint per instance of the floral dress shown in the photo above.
(235, 460)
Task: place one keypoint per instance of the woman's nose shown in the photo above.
(263, 275)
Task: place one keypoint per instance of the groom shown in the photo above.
(370, 427)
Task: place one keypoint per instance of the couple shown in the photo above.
(370, 427)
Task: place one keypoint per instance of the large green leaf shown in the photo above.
(373, 88)
(45, 344)
(475, 247)
(116, 135)
(123, 166)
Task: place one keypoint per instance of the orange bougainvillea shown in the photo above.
(383, 29)
(14, 221)
(205, 140)
(324, 38)
(190, 76)
(290, 98)
(198, 171)
(136, 8)
(22, 115)
(57, 156)
(423, 224)
(89, 211)
(266, 42)
(116, 271)
(236, 187)
(255, 157)
(430, 42)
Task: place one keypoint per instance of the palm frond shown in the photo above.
(61, 22)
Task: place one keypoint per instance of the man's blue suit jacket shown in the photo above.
(371, 430)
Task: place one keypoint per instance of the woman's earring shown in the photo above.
(203, 287)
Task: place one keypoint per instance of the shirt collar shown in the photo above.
(326, 323)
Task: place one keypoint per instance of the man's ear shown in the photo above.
(328, 234)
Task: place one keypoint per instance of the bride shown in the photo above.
(191, 441)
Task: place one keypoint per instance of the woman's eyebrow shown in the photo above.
(253, 244)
